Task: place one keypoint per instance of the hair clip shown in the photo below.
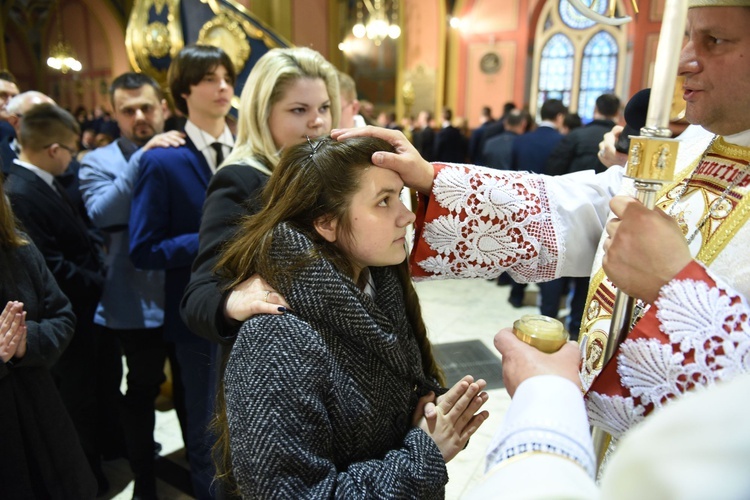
(313, 149)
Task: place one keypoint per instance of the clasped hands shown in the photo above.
(451, 419)
(12, 331)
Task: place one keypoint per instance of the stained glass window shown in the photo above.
(575, 19)
(598, 72)
(556, 70)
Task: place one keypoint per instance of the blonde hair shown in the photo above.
(265, 86)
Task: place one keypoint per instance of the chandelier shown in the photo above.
(382, 20)
(62, 57)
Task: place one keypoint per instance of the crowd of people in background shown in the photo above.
(126, 262)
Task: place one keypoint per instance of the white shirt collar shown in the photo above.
(43, 174)
(203, 139)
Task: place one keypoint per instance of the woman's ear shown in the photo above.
(326, 227)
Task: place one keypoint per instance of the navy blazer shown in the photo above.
(70, 250)
(165, 216)
(531, 151)
(7, 155)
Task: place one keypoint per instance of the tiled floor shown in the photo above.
(454, 311)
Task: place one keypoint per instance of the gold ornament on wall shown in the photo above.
(225, 32)
(408, 95)
(157, 39)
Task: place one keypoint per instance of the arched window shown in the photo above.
(598, 72)
(575, 59)
(556, 70)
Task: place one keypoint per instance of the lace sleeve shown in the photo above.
(480, 222)
(696, 334)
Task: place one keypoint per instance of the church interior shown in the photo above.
(405, 56)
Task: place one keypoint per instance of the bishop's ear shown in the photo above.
(326, 227)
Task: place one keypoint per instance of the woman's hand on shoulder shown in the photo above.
(253, 296)
(453, 420)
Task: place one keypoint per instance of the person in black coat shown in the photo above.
(579, 149)
(451, 146)
(41, 456)
(424, 139)
(265, 127)
(48, 138)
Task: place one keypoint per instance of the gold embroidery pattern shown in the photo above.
(720, 227)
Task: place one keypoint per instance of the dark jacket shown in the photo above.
(71, 250)
(232, 193)
(579, 149)
(320, 401)
(531, 151)
(41, 456)
(450, 145)
(424, 142)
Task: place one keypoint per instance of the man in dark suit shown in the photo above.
(531, 152)
(10, 147)
(450, 145)
(493, 129)
(13, 112)
(165, 218)
(48, 136)
(579, 149)
(424, 139)
(497, 150)
(475, 154)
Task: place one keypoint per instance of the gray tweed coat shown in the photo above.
(319, 401)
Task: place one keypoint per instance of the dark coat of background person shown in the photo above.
(532, 150)
(234, 191)
(424, 142)
(41, 456)
(450, 145)
(578, 150)
(68, 179)
(74, 255)
(72, 252)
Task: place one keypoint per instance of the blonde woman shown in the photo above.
(290, 94)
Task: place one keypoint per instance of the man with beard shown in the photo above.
(132, 303)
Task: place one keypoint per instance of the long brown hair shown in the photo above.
(9, 237)
(311, 181)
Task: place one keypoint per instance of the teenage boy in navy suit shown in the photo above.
(165, 217)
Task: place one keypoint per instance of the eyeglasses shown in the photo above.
(73, 152)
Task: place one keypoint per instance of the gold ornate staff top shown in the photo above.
(651, 162)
